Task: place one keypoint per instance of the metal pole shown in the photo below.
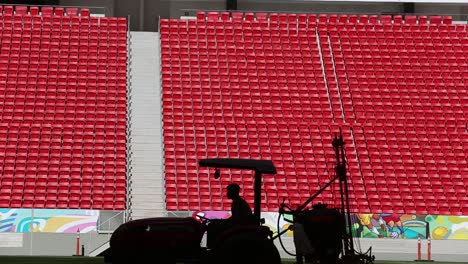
(345, 179)
(257, 196)
(77, 249)
(429, 248)
(32, 233)
(142, 14)
(128, 23)
(419, 247)
(428, 232)
(158, 24)
(337, 143)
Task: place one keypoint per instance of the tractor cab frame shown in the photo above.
(260, 167)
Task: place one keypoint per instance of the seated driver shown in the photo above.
(241, 213)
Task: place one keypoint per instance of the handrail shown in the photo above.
(96, 247)
(129, 127)
(92, 239)
(98, 225)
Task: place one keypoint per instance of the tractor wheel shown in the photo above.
(249, 247)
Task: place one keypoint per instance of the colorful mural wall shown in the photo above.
(44, 220)
(410, 226)
(393, 226)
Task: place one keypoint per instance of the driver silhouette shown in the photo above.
(241, 213)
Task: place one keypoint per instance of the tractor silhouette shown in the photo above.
(178, 239)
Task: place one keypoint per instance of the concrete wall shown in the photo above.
(107, 5)
(458, 11)
(177, 8)
(154, 9)
(125, 8)
(320, 6)
(52, 244)
(28, 2)
(144, 14)
(439, 8)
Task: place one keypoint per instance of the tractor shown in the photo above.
(178, 239)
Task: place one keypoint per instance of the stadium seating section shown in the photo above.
(63, 109)
(278, 86)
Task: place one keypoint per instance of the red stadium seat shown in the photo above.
(410, 19)
(21, 10)
(8, 10)
(71, 11)
(84, 12)
(386, 19)
(47, 11)
(363, 19)
(397, 19)
(59, 11)
(447, 20)
(237, 16)
(225, 16)
(261, 17)
(213, 16)
(435, 19)
(34, 10)
(201, 15)
(422, 20)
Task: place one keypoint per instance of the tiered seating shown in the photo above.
(63, 109)
(405, 87)
(414, 73)
(240, 93)
(395, 84)
(421, 165)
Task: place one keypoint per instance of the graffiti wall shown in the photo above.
(410, 226)
(393, 226)
(44, 220)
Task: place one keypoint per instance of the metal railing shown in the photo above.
(94, 241)
(129, 125)
(110, 224)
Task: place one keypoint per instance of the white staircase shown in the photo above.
(146, 181)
